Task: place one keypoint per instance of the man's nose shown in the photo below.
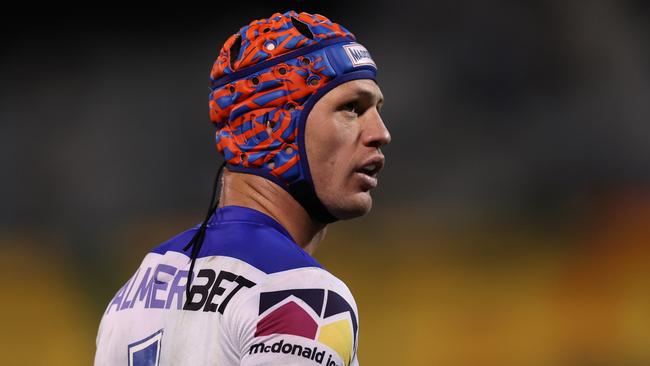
(375, 133)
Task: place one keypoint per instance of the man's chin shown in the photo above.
(357, 206)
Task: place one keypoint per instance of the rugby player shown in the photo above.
(296, 106)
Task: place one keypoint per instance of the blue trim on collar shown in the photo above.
(234, 213)
(248, 235)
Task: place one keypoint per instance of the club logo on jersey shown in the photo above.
(315, 314)
(358, 55)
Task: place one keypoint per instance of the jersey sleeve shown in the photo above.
(303, 316)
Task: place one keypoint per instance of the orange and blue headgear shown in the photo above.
(264, 83)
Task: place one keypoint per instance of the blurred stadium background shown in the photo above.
(512, 225)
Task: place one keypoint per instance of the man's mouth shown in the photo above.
(368, 182)
(369, 171)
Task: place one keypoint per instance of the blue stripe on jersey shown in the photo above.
(248, 235)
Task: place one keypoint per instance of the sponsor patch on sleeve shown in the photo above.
(320, 315)
(358, 55)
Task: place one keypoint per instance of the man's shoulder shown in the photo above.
(312, 286)
(263, 247)
(306, 308)
(296, 291)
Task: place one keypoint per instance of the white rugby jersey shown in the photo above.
(256, 299)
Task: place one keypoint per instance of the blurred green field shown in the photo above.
(427, 295)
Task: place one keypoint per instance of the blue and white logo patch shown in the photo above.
(359, 55)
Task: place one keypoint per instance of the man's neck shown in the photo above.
(247, 190)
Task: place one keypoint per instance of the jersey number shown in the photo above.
(146, 352)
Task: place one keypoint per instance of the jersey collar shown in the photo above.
(245, 214)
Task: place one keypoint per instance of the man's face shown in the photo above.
(343, 135)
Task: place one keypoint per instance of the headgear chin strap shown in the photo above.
(264, 83)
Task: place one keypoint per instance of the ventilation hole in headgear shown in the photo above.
(290, 106)
(234, 50)
(231, 88)
(305, 61)
(266, 30)
(302, 28)
(313, 81)
(271, 165)
(282, 70)
(255, 80)
(289, 150)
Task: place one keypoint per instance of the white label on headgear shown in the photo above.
(358, 55)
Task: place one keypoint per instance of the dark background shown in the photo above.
(511, 219)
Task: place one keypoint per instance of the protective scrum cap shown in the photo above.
(264, 83)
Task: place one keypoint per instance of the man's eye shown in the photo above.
(351, 107)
